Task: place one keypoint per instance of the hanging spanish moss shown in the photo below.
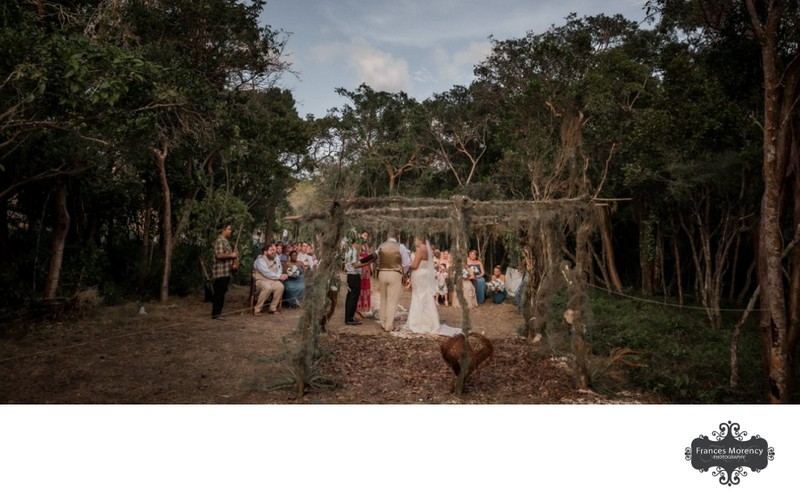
(323, 280)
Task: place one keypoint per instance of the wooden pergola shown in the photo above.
(545, 230)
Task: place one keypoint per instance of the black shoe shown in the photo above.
(219, 318)
(353, 323)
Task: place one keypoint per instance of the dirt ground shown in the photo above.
(174, 353)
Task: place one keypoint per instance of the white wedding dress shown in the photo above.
(423, 315)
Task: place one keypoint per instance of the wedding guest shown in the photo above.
(352, 266)
(445, 259)
(295, 283)
(268, 275)
(437, 258)
(302, 254)
(224, 257)
(467, 278)
(365, 296)
(282, 253)
(497, 286)
(478, 271)
(312, 260)
(442, 293)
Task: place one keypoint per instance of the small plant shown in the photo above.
(315, 380)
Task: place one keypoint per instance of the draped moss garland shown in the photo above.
(544, 227)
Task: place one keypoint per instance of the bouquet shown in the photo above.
(465, 274)
(293, 271)
(496, 286)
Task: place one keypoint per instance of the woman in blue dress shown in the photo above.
(497, 285)
(294, 285)
(480, 275)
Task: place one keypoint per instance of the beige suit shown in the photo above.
(391, 267)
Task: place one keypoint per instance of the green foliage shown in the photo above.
(683, 359)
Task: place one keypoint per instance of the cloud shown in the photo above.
(458, 66)
(380, 70)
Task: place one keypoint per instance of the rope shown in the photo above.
(666, 304)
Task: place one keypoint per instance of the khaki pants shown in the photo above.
(264, 288)
(390, 284)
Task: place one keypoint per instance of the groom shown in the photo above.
(393, 262)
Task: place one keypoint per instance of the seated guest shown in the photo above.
(268, 276)
(295, 283)
(305, 254)
(312, 258)
(497, 286)
(282, 253)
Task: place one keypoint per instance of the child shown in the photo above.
(441, 285)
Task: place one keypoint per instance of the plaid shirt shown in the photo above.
(222, 268)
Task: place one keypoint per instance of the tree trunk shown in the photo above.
(659, 277)
(462, 245)
(59, 240)
(734, 266)
(144, 267)
(5, 254)
(677, 252)
(794, 281)
(780, 94)
(602, 266)
(576, 291)
(645, 260)
(710, 252)
(166, 221)
(604, 224)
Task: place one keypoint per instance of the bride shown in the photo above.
(423, 316)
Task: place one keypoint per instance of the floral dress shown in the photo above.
(365, 297)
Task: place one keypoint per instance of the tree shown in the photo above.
(562, 100)
(58, 89)
(459, 128)
(267, 155)
(772, 25)
(205, 50)
(384, 131)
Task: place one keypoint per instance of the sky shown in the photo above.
(420, 47)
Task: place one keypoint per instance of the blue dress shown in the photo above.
(499, 297)
(294, 287)
(480, 284)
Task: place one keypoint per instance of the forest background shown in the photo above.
(130, 131)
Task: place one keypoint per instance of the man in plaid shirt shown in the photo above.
(221, 273)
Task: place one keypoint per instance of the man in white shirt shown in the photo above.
(352, 265)
(304, 257)
(268, 275)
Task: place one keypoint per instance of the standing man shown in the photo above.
(268, 275)
(221, 272)
(352, 266)
(393, 263)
